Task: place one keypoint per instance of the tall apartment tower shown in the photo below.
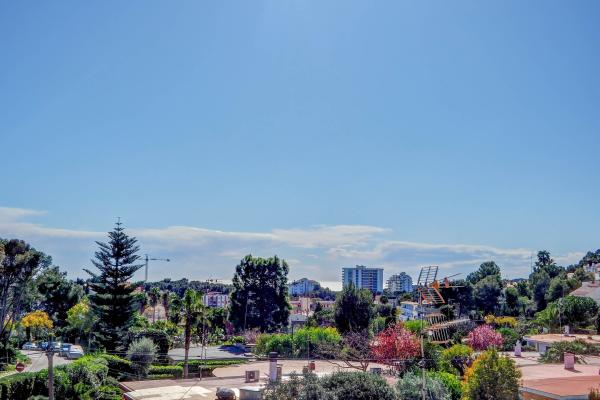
(401, 282)
(364, 278)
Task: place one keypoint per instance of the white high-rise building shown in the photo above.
(364, 278)
(302, 287)
(401, 282)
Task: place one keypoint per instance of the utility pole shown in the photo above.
(50, 355)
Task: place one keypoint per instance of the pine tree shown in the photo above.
(112, 299)
(260, 295)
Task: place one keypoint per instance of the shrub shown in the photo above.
(409, 387)
(357, 386)
(510, 337)
(415, 326)
(172, 371)
(455, 359)
(484, 337)
(451, 381)
(555, 353)
(119, 368)
(141, 353)
(298, 344)
(492, 376)
(207, 366)
(161, 334)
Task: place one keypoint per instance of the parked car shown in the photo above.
(56, 346)
(64, 349)
(75, 352)
(30, 346)
(44, 346)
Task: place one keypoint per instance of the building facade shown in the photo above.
(302, 287)
(401, 282)
(363, 278)
(215, 299)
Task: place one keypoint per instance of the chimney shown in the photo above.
(273, 366)
(569, 360)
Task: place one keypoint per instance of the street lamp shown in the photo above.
(146, 258)
(250, 292)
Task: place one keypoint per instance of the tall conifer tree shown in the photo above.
(111, 298)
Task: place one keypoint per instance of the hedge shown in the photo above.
(119, 368)
(170, 371)
(208, 366)
(86, 377)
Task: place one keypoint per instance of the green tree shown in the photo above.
(492, 377)
(81, 318)
(57, 294)
(353, 309)
(578, 311)
(511, 304)
(558, 288)
(539, 282)
(487, 292)
(460, 293)
(19, 262)
(488, 268)
(259, 296)
(112, 299)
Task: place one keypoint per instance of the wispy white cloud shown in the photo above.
(317, 251)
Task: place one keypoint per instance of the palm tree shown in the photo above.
(153, 297)
(191, 311)
(165, 300)
(175, 306)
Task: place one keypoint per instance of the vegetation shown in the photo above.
(259, 295)
(112, 299)
(353, 310)
(411, 387)
(141, 353)
(580, 348)
(492, 376)
(483, 337)
(299, 344)
(19, 263)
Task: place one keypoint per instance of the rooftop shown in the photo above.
(557, 337)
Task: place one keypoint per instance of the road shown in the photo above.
(212, 353)
(39, 360)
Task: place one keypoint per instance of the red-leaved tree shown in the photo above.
(483, 337)
(395, 344)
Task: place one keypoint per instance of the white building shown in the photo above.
(302, 286)
(410, 310)
(364, 278)
(401, 282)
(216, 299)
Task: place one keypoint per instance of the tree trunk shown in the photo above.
(186, 345)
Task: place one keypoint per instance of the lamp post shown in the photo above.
(146, 259)
(246, 312)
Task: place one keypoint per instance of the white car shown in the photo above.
(75, 352)
(30, 346)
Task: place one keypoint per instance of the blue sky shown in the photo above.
(392, 133)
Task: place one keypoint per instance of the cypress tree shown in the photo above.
(112, 299)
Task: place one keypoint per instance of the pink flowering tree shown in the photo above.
(483, 337)
(394, 344)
